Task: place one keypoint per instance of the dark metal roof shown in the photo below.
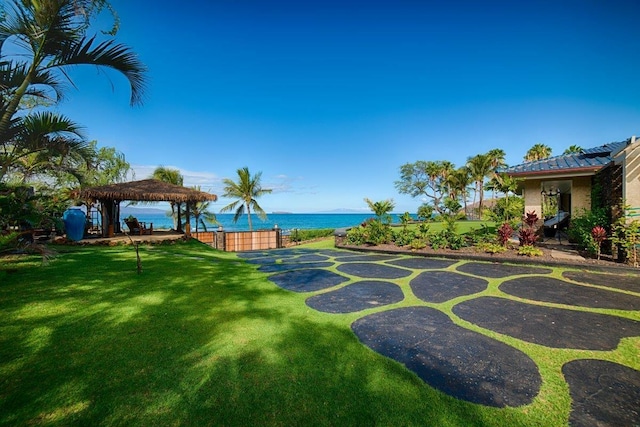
(591, 159)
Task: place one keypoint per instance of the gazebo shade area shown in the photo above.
(148, 190)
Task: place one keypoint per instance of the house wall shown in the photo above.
(580, 195)
(631, 173)
(532, 196)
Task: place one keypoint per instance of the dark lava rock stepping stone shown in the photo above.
(366, 257)
(286, 266)
(454, 360)
(441, 286)
(603, 393)
(375, 271)
(251, 255)
(497, 270)
(627, 283)
(357, 296)
(310, 258)
(548, 289)
(423, 263)
(552, 327)
(307, 280)
(263, 260)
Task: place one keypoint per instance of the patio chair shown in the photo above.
(138, 227)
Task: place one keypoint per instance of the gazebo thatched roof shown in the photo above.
(147, 190)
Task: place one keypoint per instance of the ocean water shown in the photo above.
(285, 221)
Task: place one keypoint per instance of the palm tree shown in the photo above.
(382, 209)
(171, 176)
(479, 168)
(44, 144)
(246, 190)
(201, 213)
(459, 181)
(538, 152)
(49, 34)
(573, 149)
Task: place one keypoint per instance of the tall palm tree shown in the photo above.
(246, 191)
(497, 156)
(479, 168)
(538, 152)
(50, 39)
(459, 181)
(574, 149)
(382, 209)
(171, 176)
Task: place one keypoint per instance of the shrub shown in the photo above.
(529, 250)
(599, 235)
(581, 225)
(626, 236)
(491, 248)
(418, 244)
(528, 235)
(404, 237)
(504, 233)
(303, 235)
(355, 236)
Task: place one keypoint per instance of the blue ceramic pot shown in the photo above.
(74, 220)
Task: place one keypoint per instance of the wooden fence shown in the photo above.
(238, 241)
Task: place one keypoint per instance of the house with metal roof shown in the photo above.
(610, 172)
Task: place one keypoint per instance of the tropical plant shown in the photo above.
(201, 213)
(529, 250)
(480, 167)
(46, 38)
(626, 235)
(583, 223)
(381, 209)
(528, 235)
(599, 235)
(246, 190)
(458, 183)
(504, 233)
(573, 149)
(425, 212)
(538, 152)
(171, 176)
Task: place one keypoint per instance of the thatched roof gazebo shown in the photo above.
(147, 190)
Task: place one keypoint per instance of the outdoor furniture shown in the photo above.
(138, 227)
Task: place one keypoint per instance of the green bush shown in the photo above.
(581, 225)
(304, 235)
(404, 237)
(371, 232)
(491, 248)
(529, 250)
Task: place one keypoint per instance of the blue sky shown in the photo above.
(329, 98)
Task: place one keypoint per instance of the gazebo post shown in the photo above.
(187, 227)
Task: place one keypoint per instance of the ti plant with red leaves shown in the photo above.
(599, 235)
(504, 233)
(527, 234)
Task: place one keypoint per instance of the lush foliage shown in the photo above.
(305, 235)
(626, 235)
(599, 235)
(39, 42)
(581, 225)
(504, 234)
(529, 250)
(528, 235)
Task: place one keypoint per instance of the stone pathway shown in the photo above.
(527, 303)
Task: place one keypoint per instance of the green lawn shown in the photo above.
(202, 338)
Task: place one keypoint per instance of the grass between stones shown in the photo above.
(202, 338)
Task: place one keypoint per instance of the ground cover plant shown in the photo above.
(202, 337)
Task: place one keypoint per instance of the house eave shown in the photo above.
(564, 173)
